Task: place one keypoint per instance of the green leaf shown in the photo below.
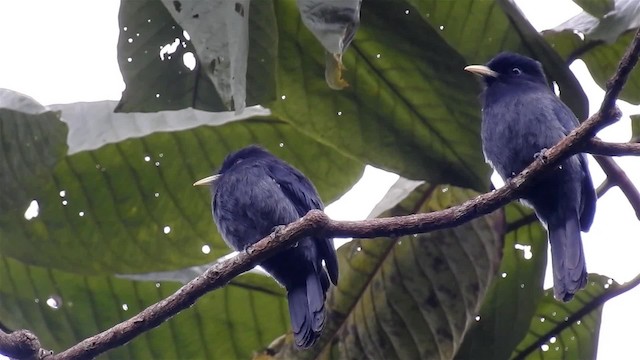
(334, 24)
(122, 200)
(601, 59)
(419, 119)
(410, 297)
(567, 330)
(597, 8)
(514, 296)
(155, 82)
(33, 141)
(225, 324)
(625, 17)
(600, 43)
(635, 127)
(224, 54)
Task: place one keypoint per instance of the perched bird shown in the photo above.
(255, 192)
(521, 118)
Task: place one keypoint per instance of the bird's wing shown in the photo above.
(297, 188)
(588, 197)
(305, 197)
(565, 116)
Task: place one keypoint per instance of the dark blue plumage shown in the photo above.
(253, 193)
(521, 117)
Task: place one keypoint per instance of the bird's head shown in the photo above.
(510, 68)
(251, 152)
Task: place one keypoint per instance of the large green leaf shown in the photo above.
(410, 107)
(33, 141)
(513, 297)
(158, 81)
(567, 330)
(410, 297)
(512, 300)
(600, 43)
(121, 201)
(63, 308)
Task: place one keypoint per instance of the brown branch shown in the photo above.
(317, 222)
(599, 147)
(615, 175)
(619, 178)
(20, 344)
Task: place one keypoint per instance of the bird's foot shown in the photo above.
(276, 230)
(248, 248)
(541, 155)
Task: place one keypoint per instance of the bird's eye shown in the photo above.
(516, 71)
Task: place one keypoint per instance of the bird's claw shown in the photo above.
(541, 155)
(248, 249)
(276, 230)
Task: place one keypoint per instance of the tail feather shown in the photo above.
(569, 269)
(306, 308)
(299, 313)
(315, 297)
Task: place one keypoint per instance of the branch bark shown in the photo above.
(619, 178)
(20, 344)
(599, 147)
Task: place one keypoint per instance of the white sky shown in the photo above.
(65, 51)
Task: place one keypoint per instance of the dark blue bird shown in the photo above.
(255, 192)
(521, 118)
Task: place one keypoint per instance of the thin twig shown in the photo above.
(599, 147)
(619, 178)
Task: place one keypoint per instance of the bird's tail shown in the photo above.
(567, 256)
(306, 308)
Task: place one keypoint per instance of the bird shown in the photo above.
(255, 193)
(521, 118)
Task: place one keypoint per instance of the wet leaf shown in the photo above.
(567, 330)
(152, 48)
(223, 55)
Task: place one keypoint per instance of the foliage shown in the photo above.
(118, 222)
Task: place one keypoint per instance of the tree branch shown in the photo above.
(599, 147)
(20, 344)
(618, 177)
